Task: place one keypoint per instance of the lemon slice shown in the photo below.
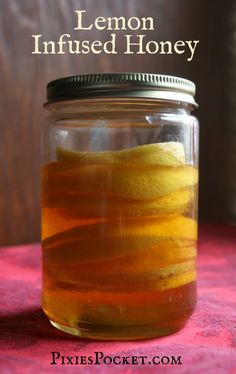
(143, 172)
(107, 240)
(171, 153)
(164, 254)
(76, 206)
(155, 280)
(121, 181)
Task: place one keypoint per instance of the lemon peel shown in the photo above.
(106, 240)
(169, 153)
(124, 181)
(75, 205)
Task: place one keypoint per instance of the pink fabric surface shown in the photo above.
(207, 344)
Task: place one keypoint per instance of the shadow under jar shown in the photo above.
(119, 205)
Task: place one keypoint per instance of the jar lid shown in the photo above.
(119, 85)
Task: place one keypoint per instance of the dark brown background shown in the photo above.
(23, 77)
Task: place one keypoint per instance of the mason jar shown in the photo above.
(119, 205)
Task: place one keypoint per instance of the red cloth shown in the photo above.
(207, 343)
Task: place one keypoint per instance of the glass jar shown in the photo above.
(119, 205)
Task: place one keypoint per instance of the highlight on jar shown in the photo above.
(118, 234)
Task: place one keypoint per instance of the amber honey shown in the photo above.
(119, 241)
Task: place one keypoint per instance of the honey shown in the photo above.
(119, 241)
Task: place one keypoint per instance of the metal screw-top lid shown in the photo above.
(122, 85)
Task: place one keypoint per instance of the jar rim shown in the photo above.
(122, 85)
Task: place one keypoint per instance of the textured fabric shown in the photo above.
(207, 344)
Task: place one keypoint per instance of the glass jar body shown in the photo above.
(119, 217)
